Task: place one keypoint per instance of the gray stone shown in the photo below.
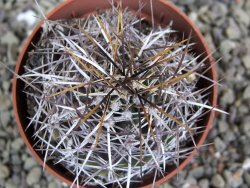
(2, 144)
(245, 127)
(189, 182)
(246, 93)
(228, 136)
(219, 10)
(4, 171)
(210, 42)
(29, 163)
(16, 159)
(233, 31)
(217, 181)
(34, 176)
(246, 61)
(10, 184)
(223, 126)
(54, 184)
(12, 42)
(246, 164)
(5, 118)
(219, 144)
(227, 46)
(203, 14)
(197, 172)
(228, 97)
(203, 183)
(246, 176)
(234, 179)
(17, 144)
(16, 178)
(241, 16)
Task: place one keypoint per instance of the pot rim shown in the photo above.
(213, 101)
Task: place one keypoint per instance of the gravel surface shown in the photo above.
(225, 163)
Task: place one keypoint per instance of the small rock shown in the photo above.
(10, 184)
(219, 10)
(16, 179)
(193, 16)
(190, 182)
(2, 144)
(228, 97)
(28, 17)
(4, 171)
(217, 181)
(246, 164)
(246, 93)
(17, 144)
(234, 179)
(246, 61)
(29, 163)
(5, 118)
(223, 126)
(245, 127)
(196, 172)
(210, 41)
(228, 136)
(16, 159)
(219, 144)
(246, 176)
(204, 183)
(233, 31)
(227, 46)
(54, 184)
(34, 176)
(241, 15)
(5, 102)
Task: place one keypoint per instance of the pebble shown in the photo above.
(227, 46)
(228, 136)
(5, 118)
(4, 171)
(233, 31)
(234, 179)
(203, 183)
(246, 93)
(29, 163)
(34, 176)
(219, 10)
(246, 164)
(245, 127)
(28, 17)
(246, 61)
(17, 144)
(217, 181)
(228, 97)
(223, 126)
(219, 144)
(246, 176)
(197, 172)
(16, 159)
(54, 184)
(241, 16)
(10, 184)
(2, 144)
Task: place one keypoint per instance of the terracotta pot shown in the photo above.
(164, 12)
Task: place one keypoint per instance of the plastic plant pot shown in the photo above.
(164, 13)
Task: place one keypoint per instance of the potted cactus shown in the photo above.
(115, 94)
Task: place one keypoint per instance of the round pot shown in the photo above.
(164, 12)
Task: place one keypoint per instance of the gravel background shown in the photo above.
(226, 163)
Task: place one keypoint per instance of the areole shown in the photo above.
(164, 12)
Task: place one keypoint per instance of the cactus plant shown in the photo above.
(114, 97)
